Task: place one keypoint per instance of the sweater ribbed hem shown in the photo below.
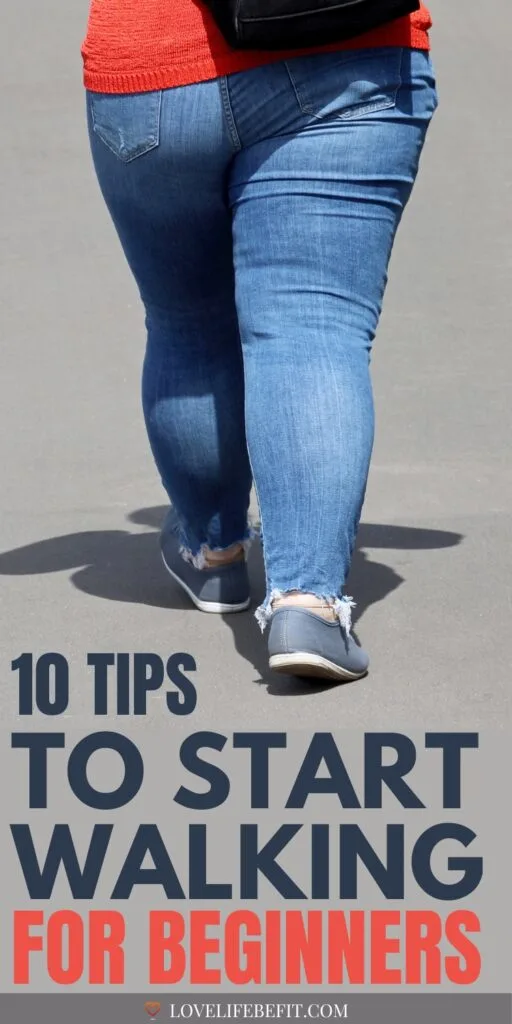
(190, 72)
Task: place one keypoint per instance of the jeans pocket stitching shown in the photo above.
(151, 141)
(352, 113)
(356, 110)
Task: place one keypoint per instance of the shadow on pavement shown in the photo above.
(118, 565)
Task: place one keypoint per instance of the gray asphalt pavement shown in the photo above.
(80, 499)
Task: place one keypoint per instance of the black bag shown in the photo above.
(293, 24)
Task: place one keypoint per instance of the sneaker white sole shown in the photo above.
(214, 607)
(311, 665)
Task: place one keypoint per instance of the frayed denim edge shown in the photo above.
(342, 606)
(198, 558)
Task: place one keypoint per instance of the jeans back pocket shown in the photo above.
(347, 84)
(128, 124)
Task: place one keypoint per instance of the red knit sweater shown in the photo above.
(140, 45)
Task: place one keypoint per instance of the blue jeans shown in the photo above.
(258, 212)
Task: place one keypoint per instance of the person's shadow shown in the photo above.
(119, 565)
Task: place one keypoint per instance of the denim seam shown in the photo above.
(400, 75)
(268, 590)
(292, 82)
(228, 114)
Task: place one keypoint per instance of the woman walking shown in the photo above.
(256, 195)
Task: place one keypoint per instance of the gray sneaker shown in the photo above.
(222, 589)
(301, 643)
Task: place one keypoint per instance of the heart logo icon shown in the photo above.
(152, 1009)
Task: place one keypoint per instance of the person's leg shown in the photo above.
(161, 160)
(317, 193)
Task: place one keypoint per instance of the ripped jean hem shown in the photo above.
(198, 558)
(342, 606)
